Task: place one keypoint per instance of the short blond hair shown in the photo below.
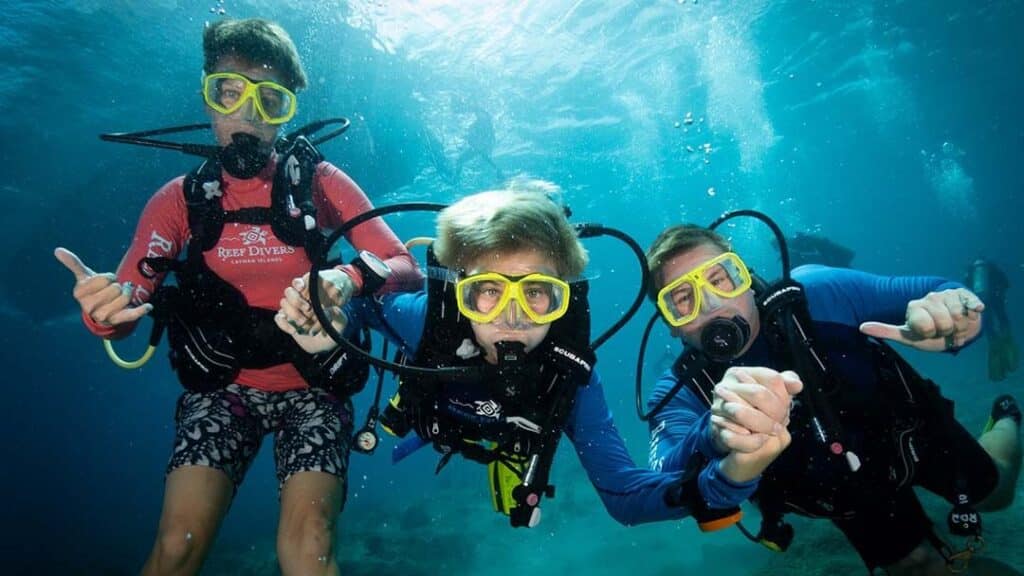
(676, 240)
(258, 41)
(514, 218)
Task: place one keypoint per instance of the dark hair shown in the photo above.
(257, 40)
(676, 240)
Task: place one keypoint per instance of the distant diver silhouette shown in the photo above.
(989, 282)
(812, 249)
(479, 143)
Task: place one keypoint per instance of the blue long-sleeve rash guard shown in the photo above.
(839, 300)
(631, 495)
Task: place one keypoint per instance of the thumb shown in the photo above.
(971, 301)
(785, 438)
(338, 318)
(884, 331)
(282, 322)
(794, 385)
(904, 335)
(73, 263)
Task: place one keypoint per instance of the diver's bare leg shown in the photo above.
(310, 505)
(196, 499)
(1002, 442)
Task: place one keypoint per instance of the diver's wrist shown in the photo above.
(373, 271)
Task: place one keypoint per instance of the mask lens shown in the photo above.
(224, 92)
(484, 296)
(544, 298)
(726, 276)
(277, 104)
(678, 301)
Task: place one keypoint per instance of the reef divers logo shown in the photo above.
(157, 247)
(259, 246)
(254, 235)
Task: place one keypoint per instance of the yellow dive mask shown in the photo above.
(483, 297)
(725, 276)
(227, 92)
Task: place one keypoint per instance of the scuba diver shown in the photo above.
(249, 219)
(479, 143)
(506, 321)
(866, 428)
(989, 282)
(813, 249)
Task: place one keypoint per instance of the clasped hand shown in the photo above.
(296, 316)
(749, 418)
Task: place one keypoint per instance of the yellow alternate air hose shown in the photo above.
(418, 241)
(121, 363)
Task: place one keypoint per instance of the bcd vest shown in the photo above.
(884, 425)
(515, 411)
(212, 331)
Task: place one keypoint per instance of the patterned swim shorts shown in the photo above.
(225, 428)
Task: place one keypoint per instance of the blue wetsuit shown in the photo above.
(839, 300)
(631, 495)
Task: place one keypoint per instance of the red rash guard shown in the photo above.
(251, 258)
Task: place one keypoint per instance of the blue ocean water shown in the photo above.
(891, 127)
